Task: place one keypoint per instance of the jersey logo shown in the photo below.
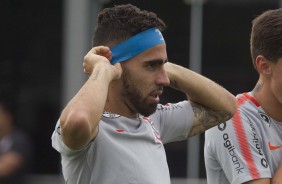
(168, 107)
(264, 162)
(273, 147)
(59, 130)
(265, 118)
(110, 115)
(221, 126)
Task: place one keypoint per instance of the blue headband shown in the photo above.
(136, 45)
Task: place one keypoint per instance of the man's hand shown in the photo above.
(100, 55)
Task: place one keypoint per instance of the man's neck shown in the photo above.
(268, 101)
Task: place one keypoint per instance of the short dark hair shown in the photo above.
(121, 22)
(266, 36)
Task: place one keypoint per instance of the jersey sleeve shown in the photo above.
(59, 145)
(174, 121)
(233, 150)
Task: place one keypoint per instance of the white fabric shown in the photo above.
(127, 151)
(237, 151)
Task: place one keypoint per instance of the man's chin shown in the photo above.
(149, 110)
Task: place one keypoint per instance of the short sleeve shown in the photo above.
(174, 121)
(59, 145)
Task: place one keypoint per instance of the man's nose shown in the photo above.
(162, 78)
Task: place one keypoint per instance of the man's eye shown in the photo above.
(151, 66)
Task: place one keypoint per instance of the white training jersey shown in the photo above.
(247, 147)
(127, 151)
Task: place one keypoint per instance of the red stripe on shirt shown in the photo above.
(242, 140)
(252, 99)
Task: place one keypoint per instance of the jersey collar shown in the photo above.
(252, 99)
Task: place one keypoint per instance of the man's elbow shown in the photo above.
(76, 130)
(233, 106)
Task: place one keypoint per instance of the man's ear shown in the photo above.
(263, 65)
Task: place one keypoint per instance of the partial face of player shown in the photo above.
(276, 80)
(143, 79)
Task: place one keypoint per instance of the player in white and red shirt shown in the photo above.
(245, 148)
(248, 148)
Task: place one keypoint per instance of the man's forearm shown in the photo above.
(277, 178)
(201, 89)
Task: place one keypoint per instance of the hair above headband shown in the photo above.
(136, 45)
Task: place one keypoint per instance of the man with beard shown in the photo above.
(113, 129)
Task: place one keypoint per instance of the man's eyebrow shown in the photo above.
(156, 61)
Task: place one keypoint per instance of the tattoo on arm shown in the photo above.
(205, 118)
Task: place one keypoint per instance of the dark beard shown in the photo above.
(134, 97)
